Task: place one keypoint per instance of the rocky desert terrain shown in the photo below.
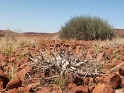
(42, 65)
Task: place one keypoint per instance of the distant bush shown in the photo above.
(86, 28)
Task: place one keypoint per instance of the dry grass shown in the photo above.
(116, 42)
(12, 41)
(8, 44)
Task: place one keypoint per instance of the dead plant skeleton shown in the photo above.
(57, 64)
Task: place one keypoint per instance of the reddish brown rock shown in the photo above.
(86, 81)
(13, 91)
(46, 89)
(91, 88)
(12, 59)
(115, 62)
(21, 89)
(54, 86)
(72, 85)
(77, 50)
(78, 81)
(14, 83)
(100, 56)
(103, 88)
(4, 78)
(21, 74)
(80, 89)
(121, 70)
(57, 91)
(100, 79)
(121, 57)
(122, 83)
(28, 90)
(114, 80)
(70, 79)
(1, 84)
(41, 91)
(33, 85)
(3, 58)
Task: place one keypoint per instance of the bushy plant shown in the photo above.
(86, 28)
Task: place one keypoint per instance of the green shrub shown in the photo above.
(86, 28)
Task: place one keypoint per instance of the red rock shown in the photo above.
(121, 70)
(41, 91)
(21, 74)
(109, 51)
(70, 79)
(28, 90)
(4, 78)
(100, 56)
(21, 89)
(122, 83)
(91, 53)
(46, 89)
(30, 87)
(121, 90)
(114, 80)
(91, 88)
(77, 50)
(103, 88)
(1, 84)
(3, 58)
(12, 59)
(116, 51)
(72, 85)
(14, 83)
(100, 79)
(80, 89)
(78, 81)
(54, 86)
(86, 81)
(121, 57)
(108, 65)
(57, 91)
(115, 62)
(33, 85)
(13, 91)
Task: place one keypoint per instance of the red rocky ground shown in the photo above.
(35, 69)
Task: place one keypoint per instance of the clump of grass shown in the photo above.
(12, 72)
(61, 82)
(115, 42)
(11, 42)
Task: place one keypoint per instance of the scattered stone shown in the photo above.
(1, 84)
(13, 91)
(80, 89)
(103, 88)
(14, 83)
(78, 81)
(21, 74)
(114, 80)
(100, 56)
(46, 89)
(121, 70)
(4, 78)
(72, 85)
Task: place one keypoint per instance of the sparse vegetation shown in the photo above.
(58, 63)
(87, 28)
